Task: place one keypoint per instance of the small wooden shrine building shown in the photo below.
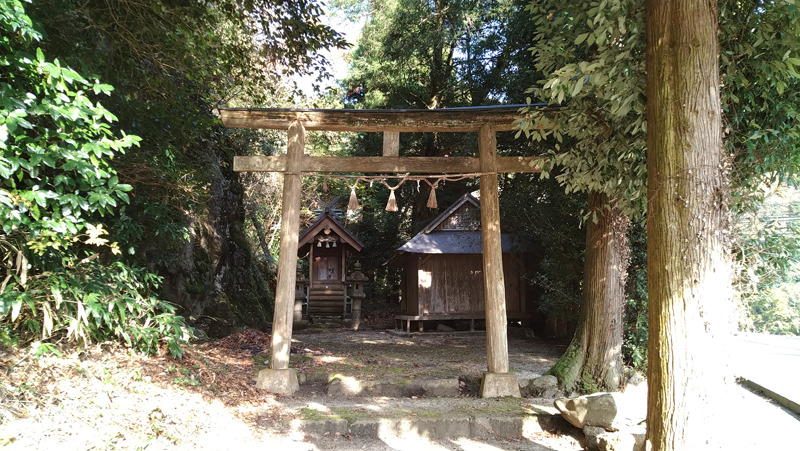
(443, 270)
(326, 244)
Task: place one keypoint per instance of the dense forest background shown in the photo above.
(122, 216)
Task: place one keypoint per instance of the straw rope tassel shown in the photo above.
(391, 205)
(353, 204)
(432, 196)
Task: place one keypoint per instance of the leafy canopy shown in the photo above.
(592, 55)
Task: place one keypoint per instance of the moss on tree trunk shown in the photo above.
(593, 360)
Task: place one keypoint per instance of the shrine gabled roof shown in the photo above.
(461, 242)
(436, 241)
(437, 221)
(327, 220)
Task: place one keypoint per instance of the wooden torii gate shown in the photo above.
(281, 379)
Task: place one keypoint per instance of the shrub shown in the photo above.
(56, 184)
(91, 302)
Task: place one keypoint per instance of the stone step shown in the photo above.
(338, 303)
(345, 386)
(437, 428)
(326, 290)
(419, 416)
(338, 311)
(326, 303)
(326, 297)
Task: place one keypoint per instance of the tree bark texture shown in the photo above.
(593, 360)
(687, 226)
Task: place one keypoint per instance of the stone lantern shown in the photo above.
(357, 280)
(300, 296)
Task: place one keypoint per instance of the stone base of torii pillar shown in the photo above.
(281, 382)
(497, 385)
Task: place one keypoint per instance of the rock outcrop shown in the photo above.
(610, 420)
(543, 387)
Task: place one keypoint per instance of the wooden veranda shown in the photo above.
(486, 121)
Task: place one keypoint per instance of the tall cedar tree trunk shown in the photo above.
(593, 360)
(441, 68)
(687, 226)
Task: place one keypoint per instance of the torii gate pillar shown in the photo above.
(497, 381)
(279, 378)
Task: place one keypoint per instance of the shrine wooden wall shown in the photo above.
(438, 284)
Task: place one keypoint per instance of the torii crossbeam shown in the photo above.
(486, 121)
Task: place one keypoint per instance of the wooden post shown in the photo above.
(311, 264)
(391, 144)
(342, 275)
(498, 381)
(494, 290)
(287, 259)
(343, 278)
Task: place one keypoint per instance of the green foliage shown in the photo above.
(758, 62)
(760, 54)
(414, 54)
(405, 55)
(56, 143)
(173, 62)
(541, 209)
(438, 54)
(634, 346)
(92, 302)
(288, 32)
(766, 253)
(57, 180)
(777, 311)
(592, 55)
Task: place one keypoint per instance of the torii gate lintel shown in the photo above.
(281, 379)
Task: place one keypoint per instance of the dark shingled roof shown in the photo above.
(431, 241)
(458, 242)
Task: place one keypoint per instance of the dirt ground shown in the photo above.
(372, 355)
(107, 397)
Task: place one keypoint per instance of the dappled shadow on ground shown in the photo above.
(428, 423)
(107, 396)
(374, 354)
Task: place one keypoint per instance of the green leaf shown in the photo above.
(578, 86)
